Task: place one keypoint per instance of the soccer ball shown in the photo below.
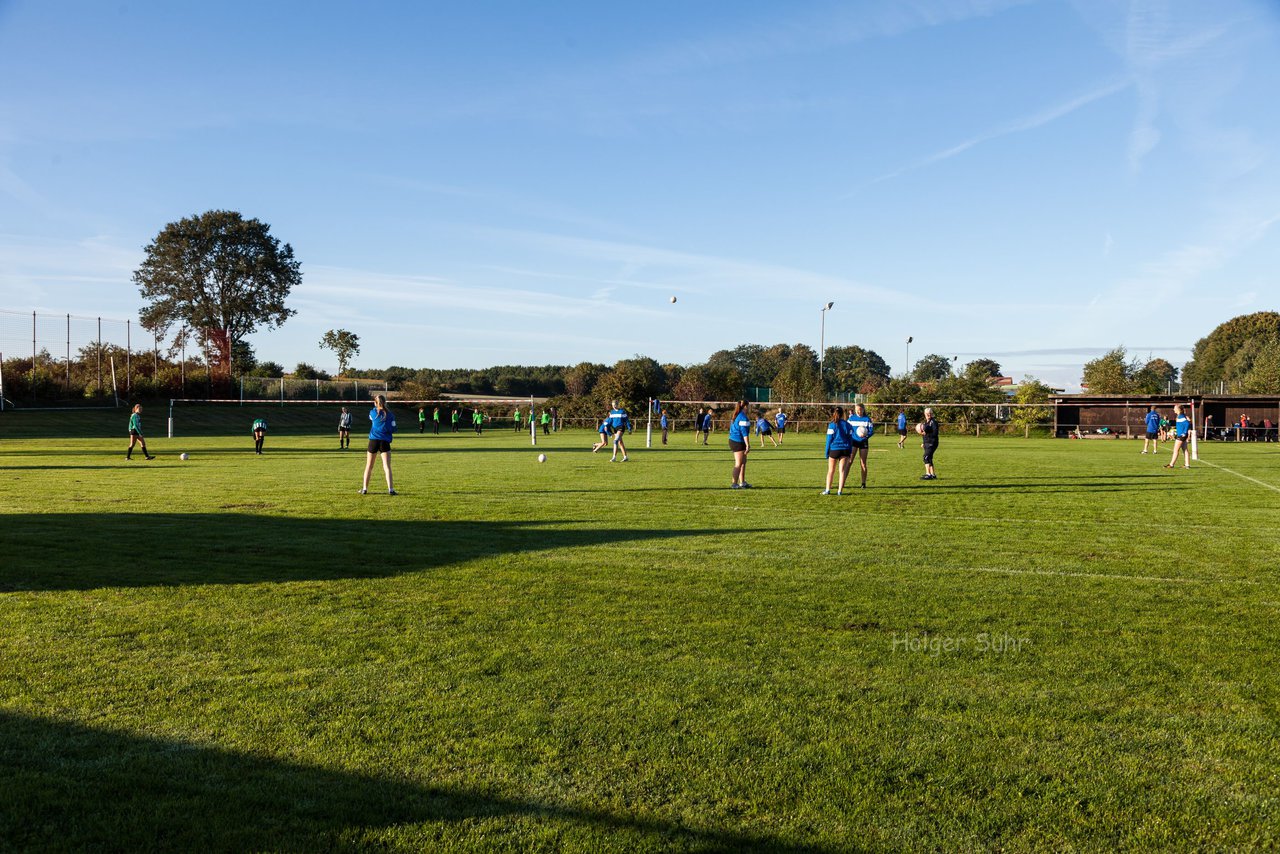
(183, 457)
(673, 299)
(542, 458)
(862, 432)
(920, 428)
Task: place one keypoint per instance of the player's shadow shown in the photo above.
(66, 787)
(71, 551)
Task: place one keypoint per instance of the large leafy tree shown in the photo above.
(931, 368)
(1217, 358)
(854, 369)
(344, 345)
(983, 368)
(218, 272)
(797, 380)
(1111, 373)
(1154, 377)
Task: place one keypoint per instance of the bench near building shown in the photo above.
(1124, 416)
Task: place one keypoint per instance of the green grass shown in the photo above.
(1057, 645)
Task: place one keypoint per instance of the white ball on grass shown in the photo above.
(183, 457)
(542, 458)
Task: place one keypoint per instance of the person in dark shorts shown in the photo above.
(902, 428)
(344, 429)
(381, 429)
(603, 433)
(1181, 438)
(839, 450)
(135, 433)
(781, 420)
(259, 434)
(422, 419)
(435, 421)
(929, 430)
(763, 429)
(1152, 420)
(740, 444)
(863, 429)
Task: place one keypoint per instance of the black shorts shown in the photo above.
(860, 444)
(1151, 435)
(839, 455)
(134, 433)
(902, 431)
(737, 446)
(765, 432)
(379, 446)
(782, 428)
(342, 429)
(928, 454)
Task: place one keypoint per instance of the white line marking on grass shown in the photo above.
(1245, 476)
(1103, 575)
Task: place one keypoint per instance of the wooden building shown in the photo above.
(1124, 415)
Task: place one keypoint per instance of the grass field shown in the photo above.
(1057, 645)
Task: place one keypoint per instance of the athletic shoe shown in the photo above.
(746, 485)
(1144, 452)
(924, 477)
(864, 486)
(392, 492)
(1186, 467)
(613, 459)
(624, 459)
(1168, 465)
(364, 492)
(150, 457)
(734, 486)
(839, 492)
(826, 492)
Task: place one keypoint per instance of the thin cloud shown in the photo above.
(1031, 122)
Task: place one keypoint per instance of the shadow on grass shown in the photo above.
(69, 551)
(64, 786)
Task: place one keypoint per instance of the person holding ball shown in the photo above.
(863, 428)
(929, 431)
(740, 444)
(382, 428)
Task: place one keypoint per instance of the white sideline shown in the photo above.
(1245, 476)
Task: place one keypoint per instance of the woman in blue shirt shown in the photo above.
(740, 444)
(763, 429)
(1181, 438)
(839, 449)
(382, 427)
(863, 428)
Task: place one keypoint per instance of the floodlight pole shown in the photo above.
(907, 369)
(822, 346)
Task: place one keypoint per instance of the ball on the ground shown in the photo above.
(183, 456)
(542, 458)
(920, 428)
(673, 299)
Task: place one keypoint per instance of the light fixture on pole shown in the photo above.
(908, 369)
(822, 345)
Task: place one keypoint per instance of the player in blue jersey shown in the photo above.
(619, 424)
(707, 421)
(665, 423)
(381, 429)
(839, 450)
(781, 421)
(763, 429)
(604, 435)
(863, 428)
(740, 444)
(1181, 438)
(1153, 430)
(902, 428)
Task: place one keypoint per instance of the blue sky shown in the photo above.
(470, 184)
